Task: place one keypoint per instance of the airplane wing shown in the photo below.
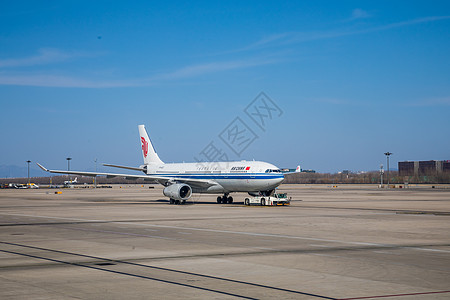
(124, 167)
(153, 178)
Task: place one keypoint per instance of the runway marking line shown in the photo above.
(153, 267)
(241, 233)
(395, 295)
(127, 274)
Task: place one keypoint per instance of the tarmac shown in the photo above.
(128, 242)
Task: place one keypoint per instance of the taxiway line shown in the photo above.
(153, 267)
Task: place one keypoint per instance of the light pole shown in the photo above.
(95, 177)
(387, 158)
(381, 175)
(28, 161)
(68, 166)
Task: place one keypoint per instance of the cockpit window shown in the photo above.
(273, 171)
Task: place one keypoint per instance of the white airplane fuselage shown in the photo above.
(233, 176)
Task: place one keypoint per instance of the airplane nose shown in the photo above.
(280, 180)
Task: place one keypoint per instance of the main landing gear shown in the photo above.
(225, 199)
(177, 202)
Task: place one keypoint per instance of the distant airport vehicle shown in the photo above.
(23, 186)
(32, 186)
(273, 200)
(183, 179)
(19, 186)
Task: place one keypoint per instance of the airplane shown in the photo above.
(182, 179)
(70, 182)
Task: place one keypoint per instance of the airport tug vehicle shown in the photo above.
(275, 200)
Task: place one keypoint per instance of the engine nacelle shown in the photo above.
(178, 191)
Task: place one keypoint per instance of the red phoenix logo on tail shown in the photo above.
(144, 146)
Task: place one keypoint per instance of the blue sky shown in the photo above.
(353, 80)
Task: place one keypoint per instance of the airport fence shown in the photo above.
(364, 178)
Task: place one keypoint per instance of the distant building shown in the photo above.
(423, 168)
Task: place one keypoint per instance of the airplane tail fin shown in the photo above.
(148, 152)
(298, 169)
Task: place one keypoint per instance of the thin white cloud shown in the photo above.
(334, 101)
(358, 13)
(214, 67)
(410, 22)
(289, 38)
(45, 80)
(64, 81)
(44, 57)
(443, 101)
(267, 40)
(49, 56)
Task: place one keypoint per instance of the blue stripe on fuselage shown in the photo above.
(221, 176)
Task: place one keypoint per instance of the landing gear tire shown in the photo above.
(247, 201)
(263, 201)
(225, 199)
(177, 202)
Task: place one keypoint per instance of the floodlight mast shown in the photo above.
(28, 162)
(68, 166)
(381, 175)
(387, 158)
(95, 178)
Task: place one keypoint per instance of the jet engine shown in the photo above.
(178, 191)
